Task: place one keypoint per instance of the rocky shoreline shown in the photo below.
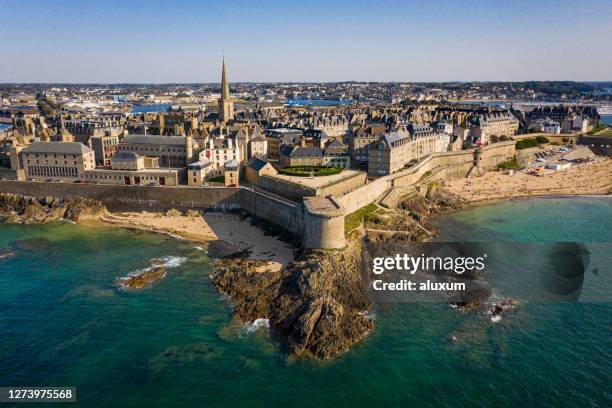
(318, 305)
(18, 209)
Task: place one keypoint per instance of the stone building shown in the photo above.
(231, 173)
(396, 149)
(172, 151)
(361, 139)
(279, 137)
(104, 147)
(257, 167)
(198, 172)
(334, 154)
(219, 151)
(66, 161)
(258, 146)
(571, 118)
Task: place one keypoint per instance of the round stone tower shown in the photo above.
(323, 223)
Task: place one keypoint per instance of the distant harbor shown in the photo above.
(159, 107)
(607, 119)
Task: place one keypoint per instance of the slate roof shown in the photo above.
(257, 164)
(57, 148)
(155, 140)
(123, 155)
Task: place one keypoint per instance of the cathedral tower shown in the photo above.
(225, 104)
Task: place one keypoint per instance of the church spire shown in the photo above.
(225, 94)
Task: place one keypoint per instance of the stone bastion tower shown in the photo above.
(323, 223)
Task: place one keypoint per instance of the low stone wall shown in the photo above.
(297, 191)
(284, 188)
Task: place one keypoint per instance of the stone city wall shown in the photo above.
(296, 191)
(441, 165)
(142, 198)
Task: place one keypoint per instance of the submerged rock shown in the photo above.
(497, 309)
(5, 254)
(316, 304)
(37, 244)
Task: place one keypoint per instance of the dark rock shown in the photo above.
(315, 304)
(31, 210)
(143, 278)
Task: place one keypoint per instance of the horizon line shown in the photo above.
(308, 82)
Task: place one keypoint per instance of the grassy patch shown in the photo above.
(354, 219)
(526, 143)
(597, 128)
(425, 175)
(306, 171)
(606, 133)
(218, 179)
(509, 165)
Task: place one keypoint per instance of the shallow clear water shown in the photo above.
(63, 323)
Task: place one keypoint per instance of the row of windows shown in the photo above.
(46, 155)
(73, 163)
(51, 171)
(152, 149)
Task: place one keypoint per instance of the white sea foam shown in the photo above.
(199, 248)
(258, 324)
(165, 261)
(495, 318)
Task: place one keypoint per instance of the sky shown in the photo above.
(304, 41)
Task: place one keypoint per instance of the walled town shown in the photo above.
(302, 156)
(327, 167)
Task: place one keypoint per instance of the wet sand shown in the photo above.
(224, 232)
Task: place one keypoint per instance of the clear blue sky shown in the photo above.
(264, 40)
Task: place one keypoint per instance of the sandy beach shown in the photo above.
(211, 229)
(584, 179)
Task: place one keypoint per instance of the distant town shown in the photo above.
(297, 142)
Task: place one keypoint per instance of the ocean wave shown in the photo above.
(166, 261)
(258, 324)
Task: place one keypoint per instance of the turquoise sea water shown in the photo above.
(63, 323)
(607, 119)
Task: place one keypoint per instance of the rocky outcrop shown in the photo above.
(32, 210)
(316, 304)
(144, 277)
